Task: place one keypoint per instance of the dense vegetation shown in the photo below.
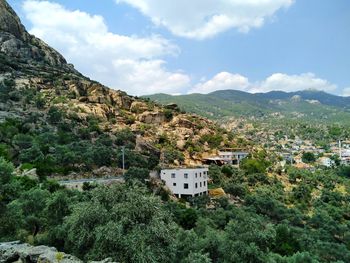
(318, 133)
(315, 106)
(303, 217)
(67, 146)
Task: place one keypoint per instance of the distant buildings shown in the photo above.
(186, 181)
(345, 161)
(233, 157)
(228, 156)
(326, 161)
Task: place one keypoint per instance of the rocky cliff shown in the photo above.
(24, 49)
(34, 78)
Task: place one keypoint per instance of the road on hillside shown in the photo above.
(92, 180)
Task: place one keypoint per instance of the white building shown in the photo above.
(345, 161)
(233, 157)
(326, 161)
(186, 182)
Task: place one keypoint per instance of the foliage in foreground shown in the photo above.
(127, 222)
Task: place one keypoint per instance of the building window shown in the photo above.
(200, 174)
(172, 175)
(185, 186)
(186, 176)
(204, 183)
(174, 184)
(200, 184)
(196, 185)
(196, 175)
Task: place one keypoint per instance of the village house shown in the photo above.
(186, 181)
(345, 161)
(233, 157)
(227, 156)
(326, 161)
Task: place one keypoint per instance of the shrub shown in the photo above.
(136, 173)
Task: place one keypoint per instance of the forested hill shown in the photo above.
(57, 120)
(54, 121)
(307, 105)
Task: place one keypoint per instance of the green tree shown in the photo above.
(252, 166)
(55, 115)
(308, 157)
(6, 175)
(136, 173)
(122, 222)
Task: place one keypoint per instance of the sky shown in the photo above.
(199, 46)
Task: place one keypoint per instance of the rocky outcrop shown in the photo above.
(17, 252)
(17, 43)
(10, 23)
(24, 253)
(152, 117)
(42, 80)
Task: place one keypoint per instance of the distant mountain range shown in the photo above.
(224, 104)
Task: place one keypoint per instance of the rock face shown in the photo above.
(37, 78)
(17, 43)
(17, 252)
(9, 21)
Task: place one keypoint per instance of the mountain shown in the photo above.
(51, 114)
(308, 104)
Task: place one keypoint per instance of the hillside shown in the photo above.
(304, 105)
(57, 124)
(47, 107)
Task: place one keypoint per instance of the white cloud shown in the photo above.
(85, 40)
(277, 81)
(202, 19)
(346, 92)
(222, 81)
(284, 82)
(150, 74)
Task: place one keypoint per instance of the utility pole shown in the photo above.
(340, 151)
(123, 152)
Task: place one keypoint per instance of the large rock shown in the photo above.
(152, 117)
(17, 43)
(17, 252)
(9, 21)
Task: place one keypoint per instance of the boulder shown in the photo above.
(152, 117)
(17, 252)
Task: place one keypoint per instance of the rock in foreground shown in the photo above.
(17, 252)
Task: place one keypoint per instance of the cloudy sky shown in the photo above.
(187, 46)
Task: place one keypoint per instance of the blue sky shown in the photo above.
(150, 46)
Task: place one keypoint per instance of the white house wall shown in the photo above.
(201, 180)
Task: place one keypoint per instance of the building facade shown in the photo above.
(230, 157)
(186, 182)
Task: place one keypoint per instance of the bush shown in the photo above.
(5, 152)
(308, 157)
(55, 115)
(136, 173)
(236, 189)
(214, 141)
(168, 114)
(251, 166)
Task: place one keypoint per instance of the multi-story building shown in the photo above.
(186, 181)
(231, 157)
